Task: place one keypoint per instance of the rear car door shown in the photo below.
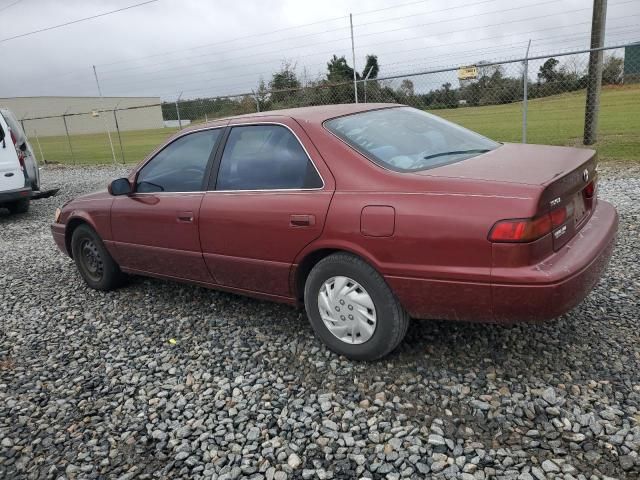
(268, 201)
(155, 228)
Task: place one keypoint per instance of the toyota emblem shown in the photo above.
(585, 176)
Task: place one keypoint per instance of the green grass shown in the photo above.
(95, 149)
(559, 120)
(556, 120)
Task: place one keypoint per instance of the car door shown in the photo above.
(268, 201)
(155, 229)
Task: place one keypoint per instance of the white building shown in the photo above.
(46, 116)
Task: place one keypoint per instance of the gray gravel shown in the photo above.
(92, 387)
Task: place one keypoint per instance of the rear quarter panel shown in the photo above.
(438, 261)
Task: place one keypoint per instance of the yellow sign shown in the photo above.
(467, 73)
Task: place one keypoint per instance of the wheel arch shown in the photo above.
(71, 225)
(313, 254)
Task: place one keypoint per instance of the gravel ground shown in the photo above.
(161, 380)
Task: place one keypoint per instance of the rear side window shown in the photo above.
(180, 166)
(265, 157)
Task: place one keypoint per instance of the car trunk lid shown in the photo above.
(566, 176)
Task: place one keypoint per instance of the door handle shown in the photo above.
(302, 220)
(185, 217)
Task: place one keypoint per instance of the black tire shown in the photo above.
(392, 321)
(21, 206)
(95, 264)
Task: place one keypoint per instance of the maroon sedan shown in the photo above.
(368, 214)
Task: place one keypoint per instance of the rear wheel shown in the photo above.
(97, 267)
(21, 206)
(352, 309)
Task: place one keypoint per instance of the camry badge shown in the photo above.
(585, 175)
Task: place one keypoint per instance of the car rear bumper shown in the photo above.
(562, 281)
(58, 232)
(10, 196)
(530, 293)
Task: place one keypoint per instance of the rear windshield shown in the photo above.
(405, 139)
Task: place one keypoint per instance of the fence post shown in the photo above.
(255, 95)
(525, 94)
(66, 129)
(366, 78)
(115, 117)
(178, 111)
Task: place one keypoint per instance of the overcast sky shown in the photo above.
(208, 48)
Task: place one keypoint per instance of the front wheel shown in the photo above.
(352, 309)
(95, 264)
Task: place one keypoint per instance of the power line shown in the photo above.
(10, 5)
(252, 47)
(271, 32)
(289, 39)
(361, 47)
(53, 27)
(223, 86)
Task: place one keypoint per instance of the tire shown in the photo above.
(95, 264)
(21, 206)
(363, 282)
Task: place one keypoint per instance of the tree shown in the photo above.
(612, 70)
(339, 70)
(283, 81)
(406, 88)
(548, 72)
(262, 95)
(371, 63)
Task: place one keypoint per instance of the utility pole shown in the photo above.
(595, 72)
(113, 152)
(353, 56)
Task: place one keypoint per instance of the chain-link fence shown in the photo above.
(539, 99)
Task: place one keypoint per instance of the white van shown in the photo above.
(15, 188)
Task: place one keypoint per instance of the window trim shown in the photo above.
(207, 170)
(211, 188)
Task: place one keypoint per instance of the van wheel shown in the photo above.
(352, 309)
(21, 206)
(97, 267)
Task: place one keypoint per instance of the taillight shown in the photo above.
(20, 153)
(590, 190)
(21, 158)
(528, 229)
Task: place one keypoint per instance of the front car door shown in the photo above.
(267, 202)
(155, 229)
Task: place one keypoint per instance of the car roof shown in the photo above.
(314, 114)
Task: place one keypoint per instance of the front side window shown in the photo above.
(405, 139)
(180, 166)
(265, 157)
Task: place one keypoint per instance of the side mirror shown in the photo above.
(121, 186)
